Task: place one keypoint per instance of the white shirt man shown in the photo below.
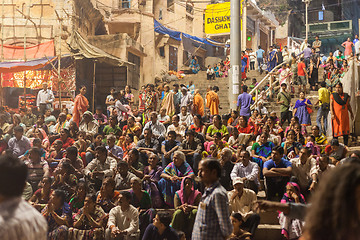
(357, 48)
(241, 200)
(123, 219)
(45, 98)
(304, 168)
(248, 171)
(102, 166)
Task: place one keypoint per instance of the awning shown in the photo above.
(204, 40)
(159, 28)
(32, 52)
(7, 67)
(82, 49)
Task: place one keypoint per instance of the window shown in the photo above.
(162, 51)
(189, 8)
(124, 3)
(170, 3)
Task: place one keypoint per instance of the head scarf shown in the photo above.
(181, 193)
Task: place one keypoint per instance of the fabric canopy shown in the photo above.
(32, 52)
(83, 49)
(8, 67)
(159, 28)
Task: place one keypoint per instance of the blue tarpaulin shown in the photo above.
(159, 28)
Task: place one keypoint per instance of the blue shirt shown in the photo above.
(212, 219)
(152, 233)
(260, 53)
(244, 101)
(283, 164)
(168, 145)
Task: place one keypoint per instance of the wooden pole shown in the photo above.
(93, 95)
(59, 61)
(26, 21)
(2, 50)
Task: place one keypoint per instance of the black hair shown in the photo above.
(19, 129)
(173, 133)
(164, 217)
(72, 150)
(190, 132)
(217, 134)
(131, 136)
(60, 194)
(334, 142)
(126, 194)
(135, 152)
(279, 149)
(35, 150)
(121, 162)
(148, 129)
(237, 216)
(312, 137)
(36, 141)
(13, 174)
(217, 116)
(176, 116)
(244, 88)
(91, 196)
(101, 149)
(97, 134)
(212, 164)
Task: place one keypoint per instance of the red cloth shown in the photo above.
(80, 104)
(41, 50)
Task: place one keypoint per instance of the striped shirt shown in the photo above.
(213, 217)
(20, 221)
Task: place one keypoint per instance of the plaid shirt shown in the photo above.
(213, 217)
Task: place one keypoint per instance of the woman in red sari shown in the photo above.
(340, 108)
(81, 104)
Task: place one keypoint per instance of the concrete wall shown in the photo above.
(42, 15)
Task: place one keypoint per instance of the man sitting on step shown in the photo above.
(277, 172)
(242, 200)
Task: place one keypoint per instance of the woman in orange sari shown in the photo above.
(339, 107)
(81, 104)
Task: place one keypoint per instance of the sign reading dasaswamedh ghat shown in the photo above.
(217, 18)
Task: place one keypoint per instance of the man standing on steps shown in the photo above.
(303, 75)
(212, 102)
(212, 219)
(324, 103)
(284, 98)
(244, 102)
(260, 58)
(198, 105)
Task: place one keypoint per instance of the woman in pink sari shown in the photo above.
(348, 47)
(186, 201)
(81, 104)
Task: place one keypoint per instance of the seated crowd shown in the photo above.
(137, 178)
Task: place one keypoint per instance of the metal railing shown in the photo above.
(256, 88)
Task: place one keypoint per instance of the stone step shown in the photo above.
(269, 218)
(268, 232)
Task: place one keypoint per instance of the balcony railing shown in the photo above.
(330, 26)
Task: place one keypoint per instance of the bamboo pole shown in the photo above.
(59, 61)
(26, 21)
(93, 95)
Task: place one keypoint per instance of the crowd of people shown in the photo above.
(171, 167)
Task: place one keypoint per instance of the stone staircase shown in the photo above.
(202, 83)
(269, 228)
